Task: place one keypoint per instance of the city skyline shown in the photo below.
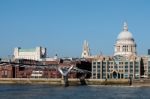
(62, 26)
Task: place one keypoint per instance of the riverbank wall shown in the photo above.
(141, 82)
(58, 81)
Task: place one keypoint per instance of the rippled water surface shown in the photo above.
(72, 92)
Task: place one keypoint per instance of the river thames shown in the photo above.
(72, 92)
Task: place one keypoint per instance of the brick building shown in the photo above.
(6, 70)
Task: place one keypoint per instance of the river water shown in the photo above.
(72, 92)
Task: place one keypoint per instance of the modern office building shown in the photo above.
(37, 53)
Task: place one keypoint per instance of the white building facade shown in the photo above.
(125, 44)
(37, 53)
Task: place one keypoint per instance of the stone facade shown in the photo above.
(86, 50)
(37, 53)
(117, 67)
(125, 44)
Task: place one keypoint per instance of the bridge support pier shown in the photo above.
(66, 82)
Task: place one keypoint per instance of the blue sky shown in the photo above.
(62, 25)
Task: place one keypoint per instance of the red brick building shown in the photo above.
(48, 69)
(6, 70)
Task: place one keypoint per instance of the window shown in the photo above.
(136, 66)
(104, 69)
(98, 76)
(94, 66)
(94, 63)
(94, 77)
(126, 70)
(94, 70)
(137, 71)
(136, 63)
(126, 67)
(111, 62)
(123, 48)
(131, 63)
(115, 67)
(131, 75)
(126, 63)
(121, 67)
(98, 63)
(104, 77)
(120, 62)
(94, 74)
(98, 70)
(127, 48)
(104, 66)
(126, 76)
(104, 72)
(104, 63)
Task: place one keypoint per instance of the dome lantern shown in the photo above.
(125, 26)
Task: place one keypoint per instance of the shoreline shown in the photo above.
(75, 82)
(59, 81)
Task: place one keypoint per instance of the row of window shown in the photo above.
(116, 67)
(120, 70)
(119, 62)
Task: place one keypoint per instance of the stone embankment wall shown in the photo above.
(61, 81)
(141, 82)
(108, 82)
(30, 81)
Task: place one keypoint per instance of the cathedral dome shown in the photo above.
(125, 44)
(125, 34)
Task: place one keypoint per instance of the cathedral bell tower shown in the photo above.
(86, 50)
